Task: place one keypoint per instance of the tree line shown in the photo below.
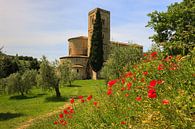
(21, 79)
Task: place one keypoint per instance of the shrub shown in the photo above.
(156, 93)
(120, 59)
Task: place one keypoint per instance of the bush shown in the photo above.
(120, 59)
(156, 93)
(21, 83)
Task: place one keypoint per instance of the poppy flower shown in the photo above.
(89, 97)
(109, 92)
(165, 101)
(123, 81)
(55, 122)
(95, 103)
(61, 115)
(123, 88)
(138, 98)
(160, 67)
(123, 122)
(65, 111)
(145, 73)
(145, 54)
(153, 83)
(154, 54)
(82, 100)
(111, 83)
(129, 74)
(80, 97)
(72, 101)
(152, 93)
(126, 94)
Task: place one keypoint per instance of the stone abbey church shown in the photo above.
(79, 47)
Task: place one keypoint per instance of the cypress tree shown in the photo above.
(96, 52)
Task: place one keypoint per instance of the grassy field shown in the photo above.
(14, 110)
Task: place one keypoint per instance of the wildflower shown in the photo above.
(168, 58)
(154, 54)
(165, 101)
(153, 83)
(129, 74)
(71, 110)
(138, 98)
(61, 115)
(109, 92)
(65, 111)
(123, 122)
(80, 97)
(123, 81)
(95, 103)
(145, 73)
(129, 85)
(89, 97)
(82, 100)
(152, 93)
(72, 101)
(126, 94)
(55, 122)
(160, 82)
(160, 67)
(123, 88)
(111, 83)
(145, 54)
(142, 80)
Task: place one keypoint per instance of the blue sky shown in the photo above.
(42, 27)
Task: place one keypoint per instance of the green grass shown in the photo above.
(14, 110)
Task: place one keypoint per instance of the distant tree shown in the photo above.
(66, 73)
(175, 28)
(21, 83)
(119, 59)
(7, 66)
(96, 58)
(47, 77)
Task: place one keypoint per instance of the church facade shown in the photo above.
(79, 47)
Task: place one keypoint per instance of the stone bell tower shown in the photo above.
(105, 16)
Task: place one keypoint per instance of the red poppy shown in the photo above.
(82, 100)
(89, 97)
(80, 97)
(123, 122)
(71, 110)
(152, 93)
(61, 115)
(160, 67)
(109, 92)
(168, 58)
(72, 101)
(123, 81)
(95, 103)
(153, 83)
(165, 101)
(142, 80)
(65, 111)
(138, 98)
(123, 88)
(160, 82)
(154, 54)
(129, 74)
(145, 73)
(111, 83)
(55, 122)
(126, 94)
(129, 84)
(145, 54)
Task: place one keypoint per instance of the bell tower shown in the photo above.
(105, 16)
